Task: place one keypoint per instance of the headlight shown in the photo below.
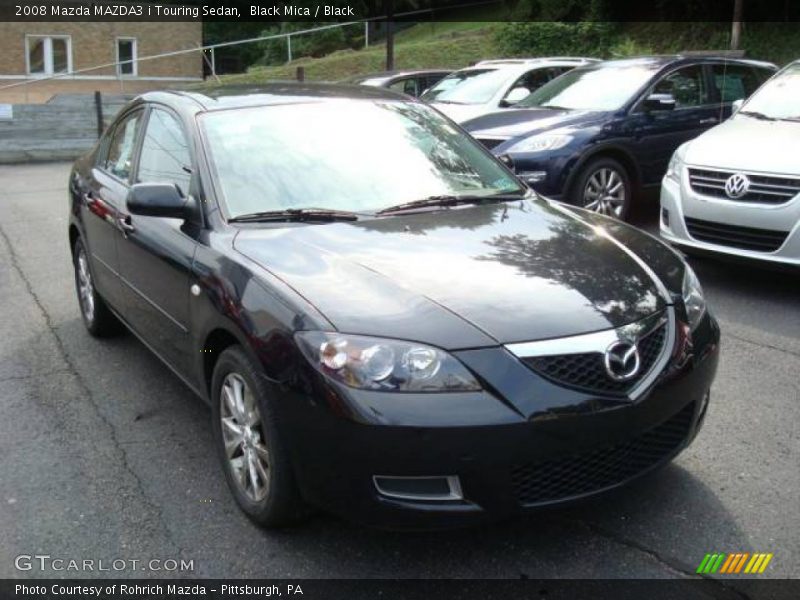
(540, 143)
(675, 167)
(388, 365)
(693, 298)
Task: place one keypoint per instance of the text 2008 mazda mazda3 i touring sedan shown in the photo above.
(385, 322)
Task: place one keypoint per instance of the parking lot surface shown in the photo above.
(105, 454)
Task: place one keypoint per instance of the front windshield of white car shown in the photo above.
(471, 86)
(592, 88)
(779, 98)
(353, 155)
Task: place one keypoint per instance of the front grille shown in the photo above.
(602, 468)
(747, 238)
(490, 142)
(763, 188)
(587, 371)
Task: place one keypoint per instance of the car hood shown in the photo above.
(461, 112)
(464, 277)
(748, 144)
(528, 121)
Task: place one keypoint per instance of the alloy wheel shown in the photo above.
(243, 436)
(605, 192)
(85, 286)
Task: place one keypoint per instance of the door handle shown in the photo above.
(125, 225)
(709, 121)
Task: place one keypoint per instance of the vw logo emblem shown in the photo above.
(622, 360)
(737, 185)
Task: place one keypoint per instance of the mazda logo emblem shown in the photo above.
(737, 185)
(622, 360)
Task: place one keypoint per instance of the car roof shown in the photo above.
(522, 64)
(578, 60)
(289, 92)
(663, 60)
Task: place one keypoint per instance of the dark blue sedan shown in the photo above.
(599, 134)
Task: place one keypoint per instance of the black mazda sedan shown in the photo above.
(385, 321)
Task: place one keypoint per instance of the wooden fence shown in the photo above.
(62, 129)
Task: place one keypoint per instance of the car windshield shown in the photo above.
(472, 86)
(778, 98)
(354, 155)
(591, 88)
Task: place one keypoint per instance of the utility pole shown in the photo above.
(736, 27)
(389, 35)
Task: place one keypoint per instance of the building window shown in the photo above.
(126, 56)
(48, 55)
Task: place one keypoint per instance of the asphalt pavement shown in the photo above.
(104, 454)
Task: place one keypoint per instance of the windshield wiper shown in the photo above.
(755, 115)
(296, 214)
(448, 200)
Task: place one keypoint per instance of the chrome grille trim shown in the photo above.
(599, 341)
(765, 189)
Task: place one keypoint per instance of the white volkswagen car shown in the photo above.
(735, 189)
(492, 85)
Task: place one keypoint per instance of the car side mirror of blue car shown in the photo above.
(659, 102)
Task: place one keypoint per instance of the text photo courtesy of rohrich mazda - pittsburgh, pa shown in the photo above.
(502, 294)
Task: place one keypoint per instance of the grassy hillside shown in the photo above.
(455, 45)
(448, 45)
(777, 42)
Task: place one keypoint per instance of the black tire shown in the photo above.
(97, 317)
(594, 176)
(282, 504)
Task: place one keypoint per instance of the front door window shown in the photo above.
(687, 86)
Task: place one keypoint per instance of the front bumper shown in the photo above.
(681, 202)
(506, 462)
(545, 172)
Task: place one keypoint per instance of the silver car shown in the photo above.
(735, 189)
(495, 84)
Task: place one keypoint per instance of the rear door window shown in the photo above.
(120, 154)
(101, 154)
(734, 81)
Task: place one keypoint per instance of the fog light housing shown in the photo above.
(430, 489)
(665, 217)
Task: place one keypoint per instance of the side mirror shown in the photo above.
(515, 95)
(158, 200)
(736, 105)
(659, 102)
